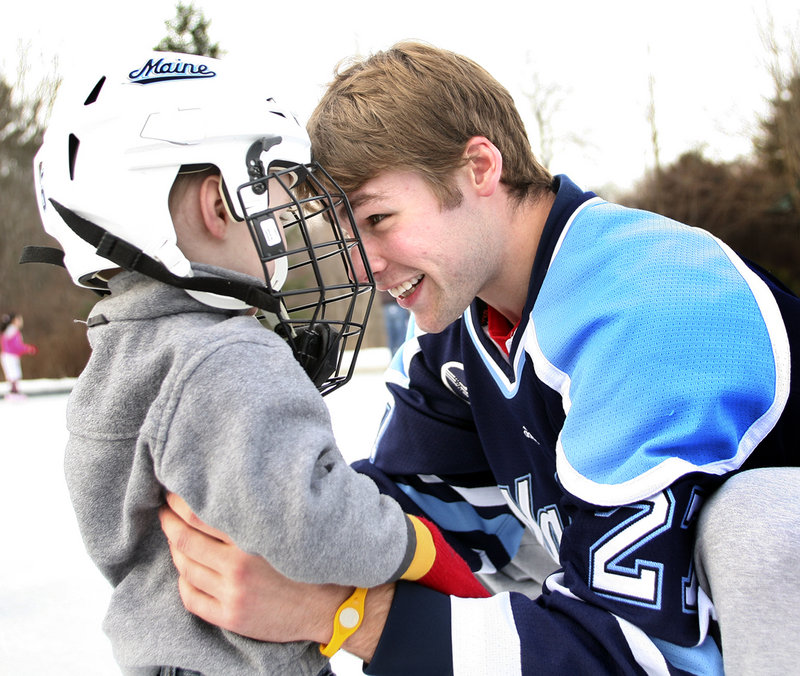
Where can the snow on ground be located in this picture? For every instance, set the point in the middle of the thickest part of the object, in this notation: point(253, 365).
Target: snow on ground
point(52, 599)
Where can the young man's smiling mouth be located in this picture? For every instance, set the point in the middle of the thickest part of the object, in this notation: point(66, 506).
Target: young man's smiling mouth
point(405, 289)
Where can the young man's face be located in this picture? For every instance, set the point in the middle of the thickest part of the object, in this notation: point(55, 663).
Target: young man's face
point(433, 261)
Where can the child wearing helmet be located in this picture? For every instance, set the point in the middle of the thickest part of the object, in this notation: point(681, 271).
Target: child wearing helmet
point(193, 206)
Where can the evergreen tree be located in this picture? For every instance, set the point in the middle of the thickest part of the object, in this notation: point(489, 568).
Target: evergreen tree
point(188, 33)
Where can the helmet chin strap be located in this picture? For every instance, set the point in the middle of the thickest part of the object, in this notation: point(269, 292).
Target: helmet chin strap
point(222, 293)
point(279, 274)
point(315, 346)
point(277, 280)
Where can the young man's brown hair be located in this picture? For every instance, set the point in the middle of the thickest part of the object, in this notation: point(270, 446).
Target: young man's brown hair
point(413, 108)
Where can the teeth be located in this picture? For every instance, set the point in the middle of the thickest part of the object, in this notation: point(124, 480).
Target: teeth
point(405, 287)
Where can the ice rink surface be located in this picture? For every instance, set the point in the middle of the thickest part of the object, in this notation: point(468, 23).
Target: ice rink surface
point(52, 599)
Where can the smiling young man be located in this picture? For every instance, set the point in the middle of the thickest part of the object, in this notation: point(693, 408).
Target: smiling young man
point(583, 378)
point(434, 261)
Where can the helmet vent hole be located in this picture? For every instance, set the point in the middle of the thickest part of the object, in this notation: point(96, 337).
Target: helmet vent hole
point(73, 155)
point(95, 92)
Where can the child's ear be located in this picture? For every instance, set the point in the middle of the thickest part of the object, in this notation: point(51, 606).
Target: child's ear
point(212, 207)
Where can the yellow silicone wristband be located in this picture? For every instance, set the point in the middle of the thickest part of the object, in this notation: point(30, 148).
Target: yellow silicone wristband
point(346, 621)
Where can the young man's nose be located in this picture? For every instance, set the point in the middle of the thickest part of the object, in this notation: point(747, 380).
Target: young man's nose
point(358, 272)
point(376, 262)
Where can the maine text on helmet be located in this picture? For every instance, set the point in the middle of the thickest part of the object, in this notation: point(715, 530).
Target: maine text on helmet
point(161, 70)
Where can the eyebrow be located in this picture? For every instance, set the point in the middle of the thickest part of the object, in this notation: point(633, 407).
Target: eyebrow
point(365, 197)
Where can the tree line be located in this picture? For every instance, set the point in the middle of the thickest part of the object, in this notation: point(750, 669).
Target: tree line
point(753, 204)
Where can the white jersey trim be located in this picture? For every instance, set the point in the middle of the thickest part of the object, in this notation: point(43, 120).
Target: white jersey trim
point(482, 496)
point(484, 636)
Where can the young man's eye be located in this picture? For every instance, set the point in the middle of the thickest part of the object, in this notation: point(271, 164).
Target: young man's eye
point(375, 218)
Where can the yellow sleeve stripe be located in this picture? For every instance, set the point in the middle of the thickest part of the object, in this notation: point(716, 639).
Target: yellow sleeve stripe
point(425, 554)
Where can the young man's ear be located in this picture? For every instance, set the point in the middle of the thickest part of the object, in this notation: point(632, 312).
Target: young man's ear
point(485, 165)
point(212, 207)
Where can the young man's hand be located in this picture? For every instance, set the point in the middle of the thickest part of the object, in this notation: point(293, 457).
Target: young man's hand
point(223, 585)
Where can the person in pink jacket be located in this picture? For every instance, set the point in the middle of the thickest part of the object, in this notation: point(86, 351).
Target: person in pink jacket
point(12, 348)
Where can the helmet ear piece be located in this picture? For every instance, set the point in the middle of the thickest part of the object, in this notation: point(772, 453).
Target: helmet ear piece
point(226, 200)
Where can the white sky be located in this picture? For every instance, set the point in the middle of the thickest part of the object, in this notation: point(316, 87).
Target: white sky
point(706, 58)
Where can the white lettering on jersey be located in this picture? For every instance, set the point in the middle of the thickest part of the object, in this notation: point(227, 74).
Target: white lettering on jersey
point(547, 525)
point(690, 583)
point(639, 582)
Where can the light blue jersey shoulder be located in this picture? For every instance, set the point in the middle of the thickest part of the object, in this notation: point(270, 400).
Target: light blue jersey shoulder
point(669, 353)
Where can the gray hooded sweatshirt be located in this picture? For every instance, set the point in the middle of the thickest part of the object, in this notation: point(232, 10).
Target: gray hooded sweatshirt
point(211, 405)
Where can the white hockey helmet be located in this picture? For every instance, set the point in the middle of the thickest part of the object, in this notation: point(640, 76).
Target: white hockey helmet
point(118, 137)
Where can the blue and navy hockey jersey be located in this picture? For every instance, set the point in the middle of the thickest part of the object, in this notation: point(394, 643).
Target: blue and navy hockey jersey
point(651, 362)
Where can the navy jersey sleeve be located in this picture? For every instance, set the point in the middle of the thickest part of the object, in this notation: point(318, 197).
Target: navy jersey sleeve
point(511, 634)
point(429, 458)
point(447, 633)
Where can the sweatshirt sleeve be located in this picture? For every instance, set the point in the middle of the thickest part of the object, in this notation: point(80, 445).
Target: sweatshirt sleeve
point(243, 436)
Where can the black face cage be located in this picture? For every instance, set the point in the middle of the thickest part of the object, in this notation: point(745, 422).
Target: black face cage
point(324, 308)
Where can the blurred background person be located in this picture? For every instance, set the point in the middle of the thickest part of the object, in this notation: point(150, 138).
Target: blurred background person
point(395, 319)
point(12, 347)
